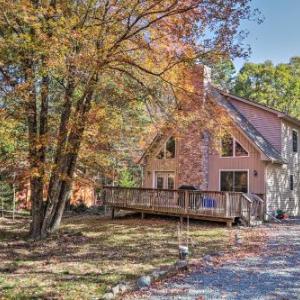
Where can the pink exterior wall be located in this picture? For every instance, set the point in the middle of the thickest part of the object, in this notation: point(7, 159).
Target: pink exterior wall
point(189, 165)
point(267, 123)
point(251, 163)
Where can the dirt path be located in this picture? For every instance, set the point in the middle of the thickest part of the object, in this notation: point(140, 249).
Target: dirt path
point(275, 274)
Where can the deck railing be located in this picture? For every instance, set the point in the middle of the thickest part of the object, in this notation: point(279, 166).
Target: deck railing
point(182, 202)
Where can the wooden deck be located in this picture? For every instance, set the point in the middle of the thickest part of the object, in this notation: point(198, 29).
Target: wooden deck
point(204, 205)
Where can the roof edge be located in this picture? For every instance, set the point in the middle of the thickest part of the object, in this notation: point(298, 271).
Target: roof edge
point(279, 113)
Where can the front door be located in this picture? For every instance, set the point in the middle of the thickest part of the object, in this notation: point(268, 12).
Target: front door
point(165, 180)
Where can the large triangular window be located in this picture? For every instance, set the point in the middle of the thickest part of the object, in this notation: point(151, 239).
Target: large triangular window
point(230, 147)
point(168, 150)
point(240, 150)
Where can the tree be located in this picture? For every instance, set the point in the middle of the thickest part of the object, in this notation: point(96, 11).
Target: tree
point(223, 74)
point(277, 86)
point(126, 178)
point(61, 59)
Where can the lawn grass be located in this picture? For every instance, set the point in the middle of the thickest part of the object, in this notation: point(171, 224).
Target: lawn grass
point(92, 253)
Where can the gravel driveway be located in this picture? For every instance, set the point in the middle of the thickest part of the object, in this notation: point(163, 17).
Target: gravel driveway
point(275, 274)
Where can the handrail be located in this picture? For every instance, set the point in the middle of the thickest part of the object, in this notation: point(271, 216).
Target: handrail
point(247, 197)
point(188, 202)
point(257, 197)
point(254, 208)
point(169, 190)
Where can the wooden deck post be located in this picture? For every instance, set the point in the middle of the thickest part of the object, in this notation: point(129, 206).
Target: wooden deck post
point(112, 213)
point(186, 199)
point(227, 205)
point(142, 215)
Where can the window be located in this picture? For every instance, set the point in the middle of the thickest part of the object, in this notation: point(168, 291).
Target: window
point(291, 182)
point(159, 182)
point(168, 150)
point(165, 180)
point(231, 147)
point(227, 146)
point(161, 154)
point(234, 181)
point(171, 182)
point(239, 150)
point(295, 141)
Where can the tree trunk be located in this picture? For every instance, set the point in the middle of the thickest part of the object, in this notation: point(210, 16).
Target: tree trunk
point(67, 164)
point(36, 180)
point(36, 186)
point(55, 179)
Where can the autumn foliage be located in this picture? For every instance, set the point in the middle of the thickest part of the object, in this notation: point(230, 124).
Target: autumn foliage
point(68, 68)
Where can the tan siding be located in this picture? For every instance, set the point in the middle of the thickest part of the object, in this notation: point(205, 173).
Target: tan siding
point(267, 123)
point(155, 165)
point(251, 163)
point(159, 165)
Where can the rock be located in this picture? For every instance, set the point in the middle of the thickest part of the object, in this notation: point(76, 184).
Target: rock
point(208, 258)
point(123, 288)
point(115, 290)
point(183, 252)
point(143, 282)
point(119, 289)
point(238, 240)
point(108, 296)
point(158, 274)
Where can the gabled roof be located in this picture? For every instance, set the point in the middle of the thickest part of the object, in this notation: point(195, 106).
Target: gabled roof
point(254, 136)
point(250, 131)
point(278, 113)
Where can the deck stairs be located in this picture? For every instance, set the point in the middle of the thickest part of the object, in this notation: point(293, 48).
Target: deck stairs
point(255, 216)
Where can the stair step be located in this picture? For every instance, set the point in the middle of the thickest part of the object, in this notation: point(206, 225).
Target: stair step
point(255, 222)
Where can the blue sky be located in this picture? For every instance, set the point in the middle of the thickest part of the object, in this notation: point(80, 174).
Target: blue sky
point(278, 37)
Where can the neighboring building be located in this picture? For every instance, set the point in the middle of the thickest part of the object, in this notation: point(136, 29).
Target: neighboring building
point(83, 192)
point(260, 154)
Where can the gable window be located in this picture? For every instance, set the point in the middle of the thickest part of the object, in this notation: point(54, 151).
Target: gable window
point(227, 146)
point(240, 150)
point(161, 154)
point(168, 150)
point(232, 148)
point(291, 182)
point(295, 141)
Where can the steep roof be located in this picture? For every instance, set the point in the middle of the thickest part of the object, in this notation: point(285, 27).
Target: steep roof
point(258, 140)
point(278, 113)
point(250, 131)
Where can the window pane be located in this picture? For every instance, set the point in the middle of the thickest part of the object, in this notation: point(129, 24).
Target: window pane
point(295, 141)
point(291, 182)
point(170, 148)
point(239, 150)
point(227, 146)
point(160, 154)
point(171, 182)
point(227, 181)
point(159, 182)
point(241, 182)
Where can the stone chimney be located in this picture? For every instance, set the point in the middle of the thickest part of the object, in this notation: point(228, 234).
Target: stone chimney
point(193, 146)
point(198, 79)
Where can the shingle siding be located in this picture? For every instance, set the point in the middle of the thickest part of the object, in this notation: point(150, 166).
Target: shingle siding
point(278, 193)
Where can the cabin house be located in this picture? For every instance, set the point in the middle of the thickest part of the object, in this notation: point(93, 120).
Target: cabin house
point(259, 156)
point(254, 171)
